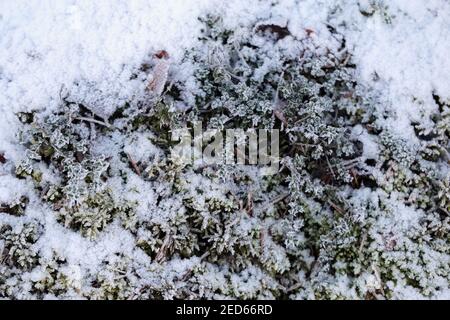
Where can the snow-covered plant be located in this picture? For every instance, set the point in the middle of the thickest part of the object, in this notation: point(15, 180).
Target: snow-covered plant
point(355, 210)
point(18, 244)
point(78, 190)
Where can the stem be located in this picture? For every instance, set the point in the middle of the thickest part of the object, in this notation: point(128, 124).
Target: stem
point(102, 123)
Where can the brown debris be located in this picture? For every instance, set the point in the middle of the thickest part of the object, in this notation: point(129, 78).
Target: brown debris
point(279, 31)
point(280, 115)
point(309, 32)
point(134, 164)
point(160, 73)
point(161, 256)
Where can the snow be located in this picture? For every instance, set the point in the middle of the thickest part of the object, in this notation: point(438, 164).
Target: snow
point(48, 46)
point(91, 49)
point(409, 55)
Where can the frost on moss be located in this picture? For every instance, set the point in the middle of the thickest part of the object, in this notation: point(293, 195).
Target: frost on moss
point(337, 221)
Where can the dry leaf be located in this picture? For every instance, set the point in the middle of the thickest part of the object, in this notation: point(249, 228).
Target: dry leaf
point(160, 73)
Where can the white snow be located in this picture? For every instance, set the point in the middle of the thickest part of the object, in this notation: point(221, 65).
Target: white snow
point(47, 46)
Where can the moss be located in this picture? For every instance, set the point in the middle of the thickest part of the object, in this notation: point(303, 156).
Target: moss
point(302, 232)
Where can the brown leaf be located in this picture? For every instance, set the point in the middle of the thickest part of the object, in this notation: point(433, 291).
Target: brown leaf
point(160, 73)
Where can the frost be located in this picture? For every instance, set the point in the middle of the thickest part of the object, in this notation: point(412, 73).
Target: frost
point(93, 206)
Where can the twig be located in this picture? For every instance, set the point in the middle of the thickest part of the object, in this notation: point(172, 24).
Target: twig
point(238, 50)
point(275, 200)
point(331, 168)
point(294, 287)
point(277, 103)
point(102, 123)
point(134, 164)
point(161, 255)
point(363, 242)
point(281, 197)
point(336, 207)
